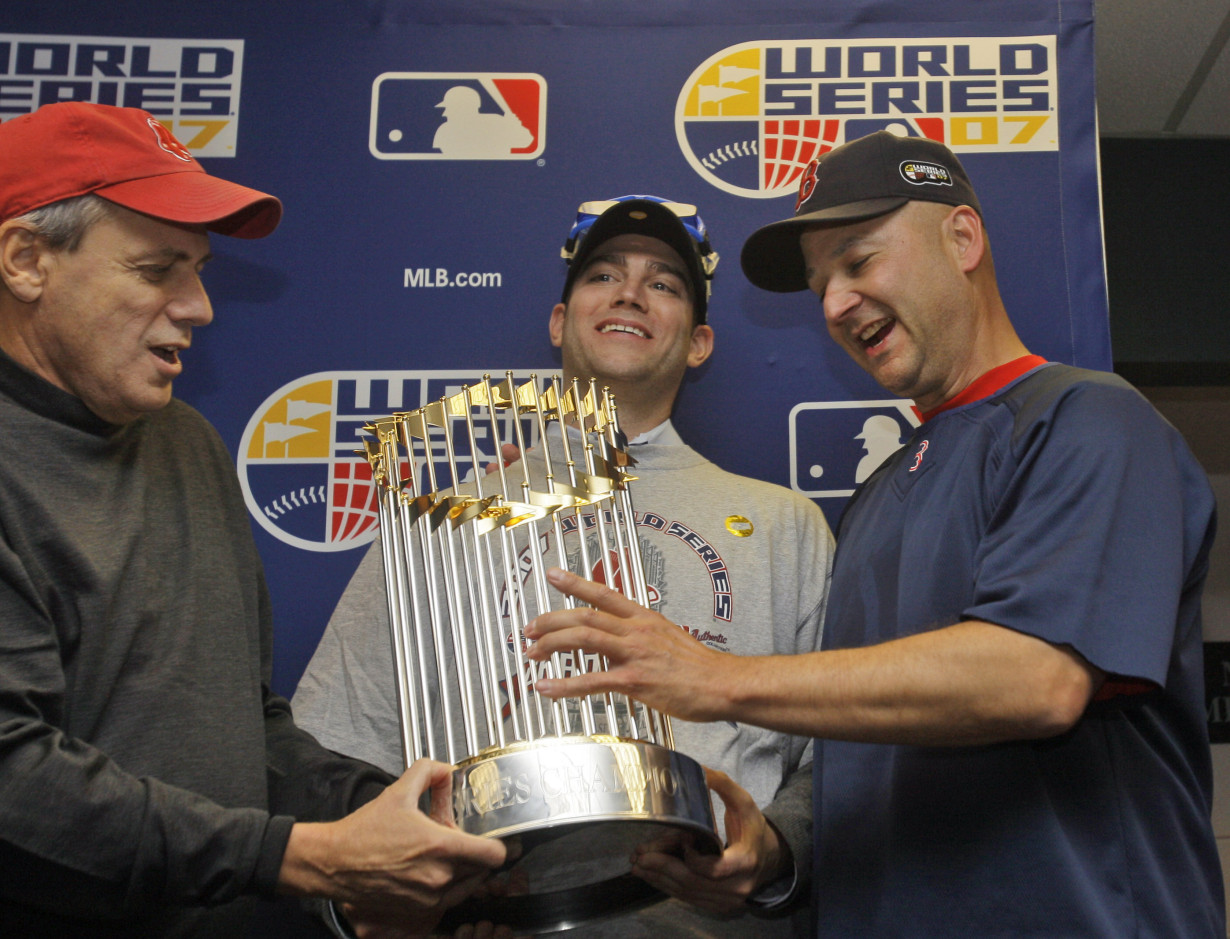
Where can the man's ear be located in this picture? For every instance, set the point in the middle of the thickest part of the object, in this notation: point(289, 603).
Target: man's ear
point(22, 261)
point(969, 237)
point(701, 346)
point(556, 326)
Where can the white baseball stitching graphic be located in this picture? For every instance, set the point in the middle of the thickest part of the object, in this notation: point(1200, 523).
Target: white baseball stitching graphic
point(740, 148)
point(314, 494)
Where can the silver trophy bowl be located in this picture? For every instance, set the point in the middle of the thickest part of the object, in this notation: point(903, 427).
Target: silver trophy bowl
point(575, 808)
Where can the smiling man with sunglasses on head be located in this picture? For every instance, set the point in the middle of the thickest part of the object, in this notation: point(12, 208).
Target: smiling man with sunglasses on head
point(743, 565)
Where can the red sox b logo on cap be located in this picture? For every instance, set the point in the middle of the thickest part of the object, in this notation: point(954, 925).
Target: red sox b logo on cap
point(169, 143)
point(808, 185)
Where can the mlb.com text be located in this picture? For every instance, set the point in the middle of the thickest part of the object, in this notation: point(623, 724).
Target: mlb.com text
point(442, 277)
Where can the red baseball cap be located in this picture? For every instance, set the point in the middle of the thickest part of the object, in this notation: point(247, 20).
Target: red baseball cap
point(127, 157)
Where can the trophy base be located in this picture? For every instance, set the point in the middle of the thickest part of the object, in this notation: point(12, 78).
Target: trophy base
point(576, 807)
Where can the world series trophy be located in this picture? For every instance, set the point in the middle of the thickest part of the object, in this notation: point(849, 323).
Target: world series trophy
point(575, 783)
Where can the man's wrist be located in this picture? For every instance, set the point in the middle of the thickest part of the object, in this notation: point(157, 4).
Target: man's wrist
point(782, 878)
point(302, 873)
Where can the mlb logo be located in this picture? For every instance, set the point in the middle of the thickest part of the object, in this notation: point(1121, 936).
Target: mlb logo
point(835, 445)
point(458, 116)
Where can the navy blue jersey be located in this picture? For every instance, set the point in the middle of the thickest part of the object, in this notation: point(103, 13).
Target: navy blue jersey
point(1063, 506)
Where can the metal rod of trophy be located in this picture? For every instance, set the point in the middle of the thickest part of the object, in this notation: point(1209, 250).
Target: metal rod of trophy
point(525, 525)
point(483, 581)
point(436, 703)
point(581, 407)
point(615, 443)
point(451, 625)
point(566, 403)
point(601, 484)
point(465, 508)
point(548, 404)
point(518, 614)
point(382, 457)
point(427, 608)
point(595, 476)
point(525, 401)
point(399, 507)
point(496, 513)
point(623, 527)
point(416, 509)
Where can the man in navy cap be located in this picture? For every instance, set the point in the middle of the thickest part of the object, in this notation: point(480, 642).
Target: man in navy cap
point(1008, 704)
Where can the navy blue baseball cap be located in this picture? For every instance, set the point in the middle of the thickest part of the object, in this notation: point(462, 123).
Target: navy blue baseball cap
point(862, 179)
point(677, 224)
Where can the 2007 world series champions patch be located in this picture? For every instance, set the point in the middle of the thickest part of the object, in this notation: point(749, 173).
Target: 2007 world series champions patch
point(922, 174)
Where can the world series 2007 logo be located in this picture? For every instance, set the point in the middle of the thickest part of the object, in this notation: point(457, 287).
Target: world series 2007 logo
point(752, 116)
point(301, 477)
point(192, 86)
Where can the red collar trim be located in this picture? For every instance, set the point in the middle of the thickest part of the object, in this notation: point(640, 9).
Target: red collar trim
point(986, 385)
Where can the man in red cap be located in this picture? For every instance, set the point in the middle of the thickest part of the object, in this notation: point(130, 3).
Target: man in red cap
point(153, 785)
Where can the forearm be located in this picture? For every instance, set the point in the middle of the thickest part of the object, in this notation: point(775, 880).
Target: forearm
point(965, 684)
point(308, 781)
point(82, 837)
point(971, 683)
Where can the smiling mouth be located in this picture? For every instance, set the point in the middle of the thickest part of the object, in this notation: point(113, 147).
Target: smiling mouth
point(875, 333)
point(623, 328)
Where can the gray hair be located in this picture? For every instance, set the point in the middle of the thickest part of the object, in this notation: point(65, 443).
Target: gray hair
point(63, 224)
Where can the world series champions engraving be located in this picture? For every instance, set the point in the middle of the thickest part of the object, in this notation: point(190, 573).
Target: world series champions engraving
point(575, 783)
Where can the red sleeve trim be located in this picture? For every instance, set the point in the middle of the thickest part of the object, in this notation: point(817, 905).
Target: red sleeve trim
point(1116, 686)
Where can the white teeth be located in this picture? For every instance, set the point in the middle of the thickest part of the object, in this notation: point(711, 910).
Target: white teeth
point(620, 328)
point(870, 331)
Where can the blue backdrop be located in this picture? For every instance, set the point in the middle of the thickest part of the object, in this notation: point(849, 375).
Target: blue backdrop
point(431, 154)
